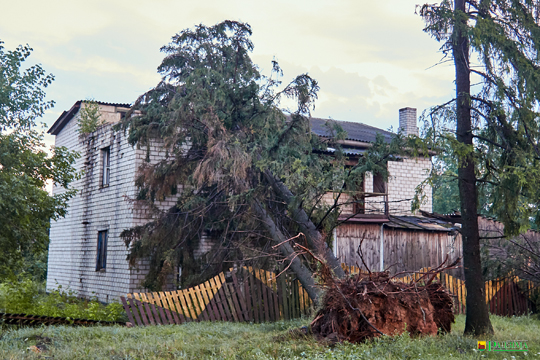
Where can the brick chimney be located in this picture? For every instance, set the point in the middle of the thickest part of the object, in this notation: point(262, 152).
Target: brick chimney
point(407, 121)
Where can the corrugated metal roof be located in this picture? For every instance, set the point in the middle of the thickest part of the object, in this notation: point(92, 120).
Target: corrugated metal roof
point(355, 131)
point(347, 151)
point(410, 222)
point(420, 223)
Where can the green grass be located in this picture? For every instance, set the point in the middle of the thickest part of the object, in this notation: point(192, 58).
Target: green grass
point(252, 341)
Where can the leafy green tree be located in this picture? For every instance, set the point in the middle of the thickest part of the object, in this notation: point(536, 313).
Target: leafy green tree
point(438, 130)
point(246, 172)
point(497, 129)
point(25, 167)
point(89, 117)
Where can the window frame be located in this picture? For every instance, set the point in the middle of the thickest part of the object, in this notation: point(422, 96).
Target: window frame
point(101, 249)
point(359, 197)
point(105, 166)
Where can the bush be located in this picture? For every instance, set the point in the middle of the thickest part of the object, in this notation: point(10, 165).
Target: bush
point(29, 297)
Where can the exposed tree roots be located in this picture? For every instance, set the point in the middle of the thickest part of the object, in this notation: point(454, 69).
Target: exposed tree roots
point(363, 306)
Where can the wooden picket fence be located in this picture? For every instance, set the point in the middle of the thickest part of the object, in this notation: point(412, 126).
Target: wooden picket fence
point(247, 294)
point(506, 297)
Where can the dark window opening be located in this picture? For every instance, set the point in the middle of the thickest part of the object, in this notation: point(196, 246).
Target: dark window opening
point(101, 261)
point(106, 161)
point(359, 197)
point(379, 185)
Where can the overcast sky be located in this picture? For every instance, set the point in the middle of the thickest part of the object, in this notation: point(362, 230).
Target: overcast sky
point(371, 58)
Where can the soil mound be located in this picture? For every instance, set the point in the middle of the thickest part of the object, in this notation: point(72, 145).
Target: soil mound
point(363, 306)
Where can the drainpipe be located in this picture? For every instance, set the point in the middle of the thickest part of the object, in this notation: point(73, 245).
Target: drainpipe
point(381, 252)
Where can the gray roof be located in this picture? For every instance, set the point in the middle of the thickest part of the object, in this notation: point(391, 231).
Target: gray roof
point(408, 222)
point(355, 131)
point(420, 223)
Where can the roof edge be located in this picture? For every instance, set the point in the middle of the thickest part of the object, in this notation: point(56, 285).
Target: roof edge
point(64, 119)
point(66, 116)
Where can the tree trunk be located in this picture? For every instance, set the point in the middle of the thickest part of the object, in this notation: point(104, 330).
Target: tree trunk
point(477, 317)
point(305, 276)
point(313, 236)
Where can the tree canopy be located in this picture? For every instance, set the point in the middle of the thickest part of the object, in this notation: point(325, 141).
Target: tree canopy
point(245, 170)
point(496, 130)
point(25, 166)
point(504, 43)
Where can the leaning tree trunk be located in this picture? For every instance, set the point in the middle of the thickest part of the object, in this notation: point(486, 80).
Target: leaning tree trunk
point(304, 275)
point(313, 236)
point(477, 317)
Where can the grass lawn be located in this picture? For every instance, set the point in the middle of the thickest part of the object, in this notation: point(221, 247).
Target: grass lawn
point(251, 341)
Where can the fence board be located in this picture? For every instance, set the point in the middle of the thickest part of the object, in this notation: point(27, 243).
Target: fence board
point(182, 304)
point(217, 297)
point(240, 295)
point(254, 296)
point(133, 308)
point(178, 317)
point(212, 302)
point(128, 310)
point(265, 295)
point(231, 303)
point(260, 304)
point(247, 293)
point(275, 298)
point(224, 303)
point(206, 300)
point(142, 310)
point(236, 304)
point(283, 283)
point(154, 314)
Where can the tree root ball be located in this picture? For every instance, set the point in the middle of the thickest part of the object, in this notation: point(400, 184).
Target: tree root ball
point(363, 306)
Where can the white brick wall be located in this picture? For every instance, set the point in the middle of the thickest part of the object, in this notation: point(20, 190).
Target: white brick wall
point(407, 121)
point(404, 177)
point(73, 239)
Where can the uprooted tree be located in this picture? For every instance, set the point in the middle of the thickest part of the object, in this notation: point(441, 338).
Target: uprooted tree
point(244, 171)
point(368, 305)
point(494, 44)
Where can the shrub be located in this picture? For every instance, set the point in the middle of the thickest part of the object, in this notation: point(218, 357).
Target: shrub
point(29, 297)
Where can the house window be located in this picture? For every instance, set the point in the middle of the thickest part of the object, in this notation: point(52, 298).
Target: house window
point(101, 260)
point(356, 189)
point(359, 198)
point(379, 186)
point(106, 170)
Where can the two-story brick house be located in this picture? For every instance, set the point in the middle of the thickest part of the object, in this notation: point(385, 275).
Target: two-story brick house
point(87, 254)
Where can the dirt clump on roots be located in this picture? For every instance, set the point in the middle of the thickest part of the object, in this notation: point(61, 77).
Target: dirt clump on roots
point(364, 306)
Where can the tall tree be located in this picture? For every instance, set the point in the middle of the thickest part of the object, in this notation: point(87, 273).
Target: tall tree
point(497, 122)
point(245, 171)
point(25, 167)
point(477, 320)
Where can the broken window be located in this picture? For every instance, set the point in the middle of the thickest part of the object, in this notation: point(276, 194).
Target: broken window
point(106, 161)
point(101, 260)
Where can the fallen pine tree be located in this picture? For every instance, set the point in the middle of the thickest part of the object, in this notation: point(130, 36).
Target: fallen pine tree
point(364, 306)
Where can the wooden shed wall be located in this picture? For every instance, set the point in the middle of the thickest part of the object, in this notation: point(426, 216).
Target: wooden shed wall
point(405, 250)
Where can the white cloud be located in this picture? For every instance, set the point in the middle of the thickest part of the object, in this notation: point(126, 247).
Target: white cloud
point(370, 57)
